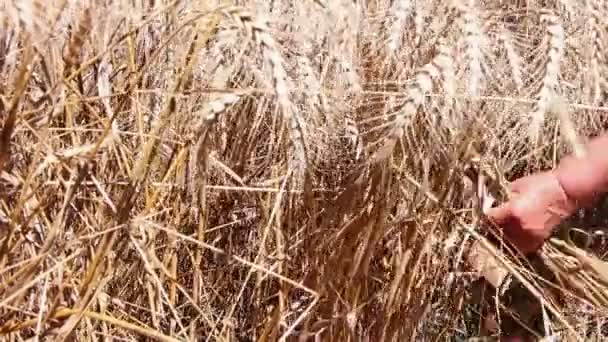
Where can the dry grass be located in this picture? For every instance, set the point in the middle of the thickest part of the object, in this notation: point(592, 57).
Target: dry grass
point(289, 170)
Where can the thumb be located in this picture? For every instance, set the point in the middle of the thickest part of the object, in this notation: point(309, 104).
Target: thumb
point(500, 215)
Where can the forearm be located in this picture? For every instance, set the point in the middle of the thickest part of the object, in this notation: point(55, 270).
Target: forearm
point(585, 179)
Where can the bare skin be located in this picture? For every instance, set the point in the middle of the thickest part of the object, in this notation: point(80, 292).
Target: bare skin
point(541, 201)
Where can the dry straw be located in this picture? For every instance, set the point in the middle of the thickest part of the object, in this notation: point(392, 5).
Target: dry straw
point(291, 170)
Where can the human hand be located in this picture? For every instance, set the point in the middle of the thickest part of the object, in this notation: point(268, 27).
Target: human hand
point(538, 204)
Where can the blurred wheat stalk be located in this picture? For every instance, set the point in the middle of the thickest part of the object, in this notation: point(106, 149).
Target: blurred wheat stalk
point(263, 170)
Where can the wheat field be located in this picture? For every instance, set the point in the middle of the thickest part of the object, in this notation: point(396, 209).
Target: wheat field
point(313, 170)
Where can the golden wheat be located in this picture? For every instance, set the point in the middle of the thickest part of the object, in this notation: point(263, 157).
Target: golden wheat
point(292, 170)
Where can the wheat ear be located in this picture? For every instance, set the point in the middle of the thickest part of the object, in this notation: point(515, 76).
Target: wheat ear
point(312, 85)
point(71, 55)
point(258, 29)
point(559, 108)
point(343, 14)
point(401, 10)
point(32, 14)
point(548, 90)
point(513, 57)
point(475, 41)
point(421, 85)
point(596, 47)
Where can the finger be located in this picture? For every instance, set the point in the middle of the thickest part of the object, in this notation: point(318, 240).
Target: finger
point(501, 214)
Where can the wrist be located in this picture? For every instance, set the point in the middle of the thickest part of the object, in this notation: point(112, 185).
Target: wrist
point(582, 181)
point(585, 178)
point(568, 205)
